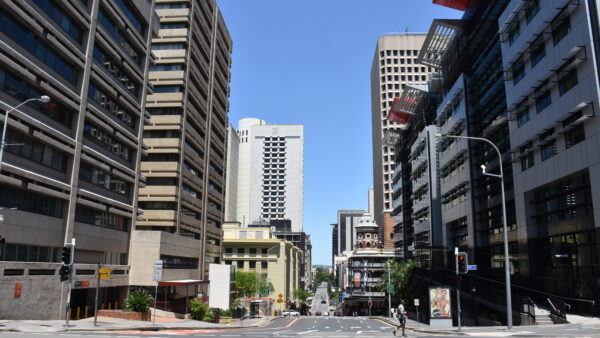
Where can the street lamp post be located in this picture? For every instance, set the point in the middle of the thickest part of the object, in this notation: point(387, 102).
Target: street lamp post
point(43, 99)
point(506, 260)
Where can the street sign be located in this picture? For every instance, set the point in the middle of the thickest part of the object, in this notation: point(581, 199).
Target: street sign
point(390, 288)
point(471, 267)
point(416, 301)
point(105, 270)
point(158, 268)
point(104, 273)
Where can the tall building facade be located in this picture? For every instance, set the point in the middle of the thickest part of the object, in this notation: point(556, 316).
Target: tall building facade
point(343, 238)
point(231, 179)
point(71, 166)
point(270, 173)
point(183, 198)
point(550, 54)
point(394, 67)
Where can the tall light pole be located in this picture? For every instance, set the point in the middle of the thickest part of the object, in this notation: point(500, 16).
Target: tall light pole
point(506, 260)
point(42, 99)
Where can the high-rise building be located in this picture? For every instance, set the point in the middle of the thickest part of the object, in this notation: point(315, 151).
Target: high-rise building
point(70, 167)
point(394, 67)
point(183, 199)
point(231, 178)
point(550, 55)
point(270, 172)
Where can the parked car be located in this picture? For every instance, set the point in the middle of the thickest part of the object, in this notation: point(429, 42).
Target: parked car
point(337, 314)
point(323, 302)
point(326, 313)
point(318, 313)
point(290, 312)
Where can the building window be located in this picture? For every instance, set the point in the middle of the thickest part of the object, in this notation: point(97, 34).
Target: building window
point(252, 264)
point(240, 264)
point(548, 150)
point(561, 28)
point(101, 218)
point(175, 262)
point(131, 15)
point(264, 265)
point(102, 179)
point(537, 53)
point(527, 160)
point(26, 39)
point(111, 106)
point(523, 114)
point(38, 152)
point(543, 100)
point(574, 135)
point(114, 68)
point(531, 9)
point(168, 89)
point(171, 6)
point(26, 200)
point(120, 37)
point(164, 46)
point(59, 17)
point(518, 72)
point(514, 30)
point(568, 81)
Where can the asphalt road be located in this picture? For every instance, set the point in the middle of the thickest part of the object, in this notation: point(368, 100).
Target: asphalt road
point(320, 296)
point(330, 327)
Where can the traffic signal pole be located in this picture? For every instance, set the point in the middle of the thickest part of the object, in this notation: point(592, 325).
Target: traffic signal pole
point(457, 285)
point(69, 278)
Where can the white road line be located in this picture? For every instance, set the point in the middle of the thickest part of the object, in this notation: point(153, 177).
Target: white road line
point(358, 332)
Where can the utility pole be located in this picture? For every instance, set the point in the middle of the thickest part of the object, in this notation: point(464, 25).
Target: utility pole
point(96, 299)
point(457, 285)
point(389, 294)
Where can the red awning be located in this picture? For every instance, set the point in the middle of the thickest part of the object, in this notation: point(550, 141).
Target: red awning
point(183, 282)
point(396, 114)
point(461, 5)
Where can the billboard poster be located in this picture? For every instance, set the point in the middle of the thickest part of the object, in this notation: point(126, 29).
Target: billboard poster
point(439, 303)
point(357, 279)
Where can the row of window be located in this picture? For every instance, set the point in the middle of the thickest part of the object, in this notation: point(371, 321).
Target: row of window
point(26, 200)
point(191, 191)
point(34, 45)
point(101, 218)
point(531, 9)
point(120, 37)
point(572, 137)
point(117, 71)
point(251, 264)
point(403, 52)
point(175, 262)
point(22, 91)
point(543, 96)
point(29, 253)
point(132, 16)
point(35, 151)
point(166, 67)
point(252, 251)
point(111, 106)
point(102, 179)
point(565, 200)
point(60, 18)
point(105, 140)
point(165, 111)
point(192, 170)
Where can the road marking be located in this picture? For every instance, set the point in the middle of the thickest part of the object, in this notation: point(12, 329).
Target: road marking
point(291, 323)
point(309, 331)
point(358, 332)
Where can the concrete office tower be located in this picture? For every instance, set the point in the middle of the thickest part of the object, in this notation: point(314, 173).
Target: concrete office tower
point(71, 166)
point(393, 67)
point(231, 179)
point(551, 54)
point(270, 172)
point(183, 200)
point(343, 237)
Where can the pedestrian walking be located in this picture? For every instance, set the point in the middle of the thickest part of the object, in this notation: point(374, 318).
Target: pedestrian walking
point(401, 313)
point(393, 312)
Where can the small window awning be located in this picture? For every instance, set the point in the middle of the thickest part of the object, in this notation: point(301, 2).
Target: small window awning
point(183, 282)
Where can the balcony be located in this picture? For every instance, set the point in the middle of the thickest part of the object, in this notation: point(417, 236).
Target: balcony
point(161, 193)
point(159, 218)
point(162, 145)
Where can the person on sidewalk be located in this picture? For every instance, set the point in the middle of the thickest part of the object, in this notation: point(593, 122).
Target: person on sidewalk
point(401, 318)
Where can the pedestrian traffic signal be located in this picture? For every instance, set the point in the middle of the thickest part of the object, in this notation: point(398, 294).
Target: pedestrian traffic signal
point(65, 271)
point(462, 262)
point(66, 254)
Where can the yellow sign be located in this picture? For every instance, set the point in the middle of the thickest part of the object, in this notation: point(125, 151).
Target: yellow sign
point(105, 270)
point(280, 300)
point(104, 276)
point(280, 296)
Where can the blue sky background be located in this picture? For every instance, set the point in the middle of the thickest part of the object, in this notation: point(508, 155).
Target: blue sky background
point(308, 62)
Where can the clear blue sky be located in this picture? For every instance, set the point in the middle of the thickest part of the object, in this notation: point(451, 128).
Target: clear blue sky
point(308, 62)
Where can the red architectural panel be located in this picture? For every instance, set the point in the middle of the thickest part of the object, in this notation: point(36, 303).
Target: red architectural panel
point(461, 5)
point(396, 114)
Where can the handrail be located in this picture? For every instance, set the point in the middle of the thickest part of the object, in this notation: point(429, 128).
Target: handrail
point(552, 304)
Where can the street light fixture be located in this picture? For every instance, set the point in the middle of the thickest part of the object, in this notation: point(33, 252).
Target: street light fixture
point(506, 260)
point(42, 99)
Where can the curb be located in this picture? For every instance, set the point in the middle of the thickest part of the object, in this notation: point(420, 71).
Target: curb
point(146, 328)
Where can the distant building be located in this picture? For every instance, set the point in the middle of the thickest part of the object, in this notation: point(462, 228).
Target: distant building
point(255, 250)
point(231, 180)
point(394, 67)
point(270, 173)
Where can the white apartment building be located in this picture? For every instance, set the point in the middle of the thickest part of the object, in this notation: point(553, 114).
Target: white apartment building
point(231, 180)
point(270, 181)
point(394, 67)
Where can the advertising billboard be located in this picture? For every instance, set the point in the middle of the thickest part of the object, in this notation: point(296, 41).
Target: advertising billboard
point(439, 303)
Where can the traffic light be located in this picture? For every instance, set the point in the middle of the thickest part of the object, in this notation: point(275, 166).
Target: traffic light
point(66, 254)
point(65, 271)
point(461, 262)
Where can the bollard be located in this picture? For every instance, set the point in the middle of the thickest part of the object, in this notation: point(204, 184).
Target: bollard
point(77, 313)
point(116, 305)
point(69, 314)
point(109, 304)
point(85, 312)
point(102, 307)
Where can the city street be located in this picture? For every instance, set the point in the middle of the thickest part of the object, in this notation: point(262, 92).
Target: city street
point(320, 297)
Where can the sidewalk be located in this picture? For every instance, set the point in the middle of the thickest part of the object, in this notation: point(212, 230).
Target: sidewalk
point(114, 324)
point(490, 331)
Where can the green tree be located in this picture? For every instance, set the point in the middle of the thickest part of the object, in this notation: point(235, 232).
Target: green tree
point(320, 277)
point(301, 295)
point(245, 283)
point(400, 274)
